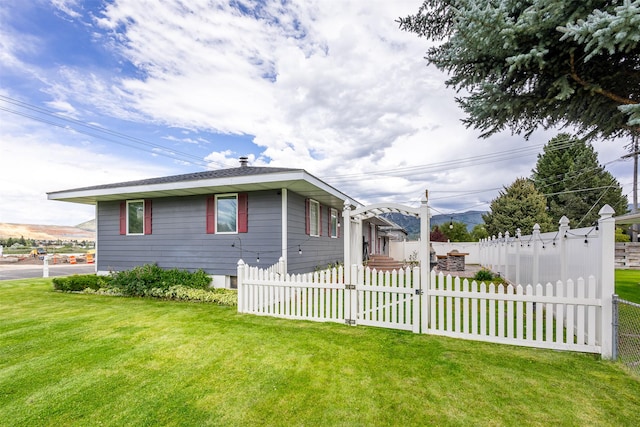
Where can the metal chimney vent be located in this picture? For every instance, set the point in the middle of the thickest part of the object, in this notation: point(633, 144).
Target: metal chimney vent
point(244, 161)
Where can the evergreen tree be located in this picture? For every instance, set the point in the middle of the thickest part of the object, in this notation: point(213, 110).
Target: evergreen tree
point(544, 63)
point(519, 206)
point(575, 183)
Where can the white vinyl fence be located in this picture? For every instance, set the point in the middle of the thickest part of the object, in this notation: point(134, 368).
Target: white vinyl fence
point(546, 257)
point(573, 313)
point(561, 317)
point(385, 299)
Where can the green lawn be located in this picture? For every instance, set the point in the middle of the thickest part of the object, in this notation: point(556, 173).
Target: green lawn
point(75, 359)
point(628, 285)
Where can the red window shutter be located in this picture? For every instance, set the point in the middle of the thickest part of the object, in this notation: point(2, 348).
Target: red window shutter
point(329, 228)
point(123, 217)
point(307, 220)
point(243, 212)
point(147, 216)
point(211, 215)
point(338, 219)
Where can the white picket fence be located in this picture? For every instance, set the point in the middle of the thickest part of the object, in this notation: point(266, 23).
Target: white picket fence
point(556, 316)
point(561, 317)
point(561, 312)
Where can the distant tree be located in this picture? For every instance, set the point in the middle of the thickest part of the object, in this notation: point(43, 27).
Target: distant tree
point(479, 232)
point(437, 235)
point(519, 206)
point(456, 232)
point(524, 64)
point(22, 241)
point(574, 182)
point(621, 236)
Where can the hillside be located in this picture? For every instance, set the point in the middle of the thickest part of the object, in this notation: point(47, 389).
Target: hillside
point(412, 224)
point(48, 232)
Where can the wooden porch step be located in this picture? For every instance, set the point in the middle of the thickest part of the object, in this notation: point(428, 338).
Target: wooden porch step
point(383, 263)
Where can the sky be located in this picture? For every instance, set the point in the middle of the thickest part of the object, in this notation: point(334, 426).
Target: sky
point(95, 92)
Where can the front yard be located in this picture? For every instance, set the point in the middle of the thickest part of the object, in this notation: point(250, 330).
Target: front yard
point(74, 359)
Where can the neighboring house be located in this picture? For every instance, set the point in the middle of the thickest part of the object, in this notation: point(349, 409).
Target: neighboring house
point(210, 220)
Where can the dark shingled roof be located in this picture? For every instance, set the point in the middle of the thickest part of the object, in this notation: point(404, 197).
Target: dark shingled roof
point(195, 176)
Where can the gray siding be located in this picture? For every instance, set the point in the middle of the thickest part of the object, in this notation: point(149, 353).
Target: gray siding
point(317, 252)
point(179, 238)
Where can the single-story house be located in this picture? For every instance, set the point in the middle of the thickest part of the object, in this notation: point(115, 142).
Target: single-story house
point(210, 220)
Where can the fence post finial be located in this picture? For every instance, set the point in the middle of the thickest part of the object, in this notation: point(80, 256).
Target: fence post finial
point(606, 212)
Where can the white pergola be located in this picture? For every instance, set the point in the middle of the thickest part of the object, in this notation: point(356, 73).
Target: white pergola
point(352, 220)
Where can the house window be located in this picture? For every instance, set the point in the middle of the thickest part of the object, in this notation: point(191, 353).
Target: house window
point(334, 223)
point(135, 217)
point(227, 213)
point(314, 218)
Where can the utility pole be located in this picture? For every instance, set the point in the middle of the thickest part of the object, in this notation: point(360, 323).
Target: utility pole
point(634, 153)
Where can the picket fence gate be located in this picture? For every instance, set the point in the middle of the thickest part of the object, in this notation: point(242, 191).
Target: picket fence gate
point(561, 316)
point(385, 299)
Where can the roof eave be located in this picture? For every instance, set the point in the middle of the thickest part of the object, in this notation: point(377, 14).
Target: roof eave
point(297, 180)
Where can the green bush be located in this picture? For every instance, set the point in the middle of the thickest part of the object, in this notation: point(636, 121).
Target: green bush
point(484, 275)
point(78, 282)
point(151, 281)
point(140, 280)
point(182, 293)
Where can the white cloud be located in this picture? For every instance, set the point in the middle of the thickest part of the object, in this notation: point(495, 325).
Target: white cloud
point(68, 7)
point(34, 162)
point(333, 87)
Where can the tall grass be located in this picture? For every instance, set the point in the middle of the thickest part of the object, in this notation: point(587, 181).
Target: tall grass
point(76, 359)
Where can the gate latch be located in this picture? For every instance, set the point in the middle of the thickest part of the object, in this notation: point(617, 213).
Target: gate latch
point(419, 292)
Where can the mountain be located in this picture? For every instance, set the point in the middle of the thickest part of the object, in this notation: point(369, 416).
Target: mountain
point(46, 232)
point(87, 225)
point(412, 224)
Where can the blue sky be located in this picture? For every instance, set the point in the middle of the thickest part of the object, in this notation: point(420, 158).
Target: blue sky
point(94, 92)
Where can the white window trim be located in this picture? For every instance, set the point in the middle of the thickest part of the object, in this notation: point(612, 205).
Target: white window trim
point(317, 231)
point(127, 214)
point(217, 216)
point(334, 214)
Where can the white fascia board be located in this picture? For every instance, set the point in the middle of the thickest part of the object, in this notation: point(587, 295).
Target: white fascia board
point(180, 185)
point(329, 189)
point(298, 175)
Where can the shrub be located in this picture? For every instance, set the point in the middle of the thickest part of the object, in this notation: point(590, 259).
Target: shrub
point(484, 275)
point(140, 280)
point(78, 282)
point(183, 293)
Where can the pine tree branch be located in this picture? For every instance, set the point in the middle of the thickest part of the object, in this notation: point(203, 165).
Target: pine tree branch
point(596, 89)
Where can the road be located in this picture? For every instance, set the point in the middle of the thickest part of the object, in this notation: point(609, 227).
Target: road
point(11, 271)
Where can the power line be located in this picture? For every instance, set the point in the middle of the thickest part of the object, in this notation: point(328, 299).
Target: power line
point(99, 132)
point(450, 164)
